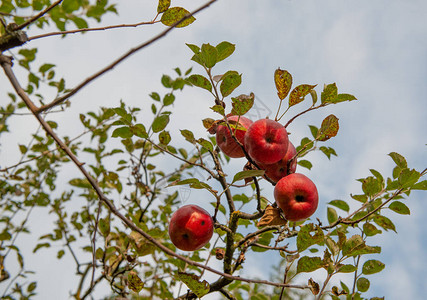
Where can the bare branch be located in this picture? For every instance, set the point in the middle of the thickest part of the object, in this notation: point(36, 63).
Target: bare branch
point(90, 29)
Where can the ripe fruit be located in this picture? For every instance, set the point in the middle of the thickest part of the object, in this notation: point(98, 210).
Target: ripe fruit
point(266, 141)
point(226, 142)
point(280, 169)
point(297, 196)
point(190, 227)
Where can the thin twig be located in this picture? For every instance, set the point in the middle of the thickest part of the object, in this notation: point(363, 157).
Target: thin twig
point(90, 29)
point(39, 15)
point(73, 91)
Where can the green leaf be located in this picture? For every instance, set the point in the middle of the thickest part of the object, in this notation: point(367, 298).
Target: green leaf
point(341, 204)
point(104, 226)
point(347, 269)
point(45, 67)
point(377, 175)
point(372, 266)
point(164, 138)
point(208, 55)
point(360, 198)
point(370, 230)
point(384, 222)
point(166, 80)
point(23, 149)
point(362, 284)
point(407, 178)
point(200, 81)
point(224, 50)
point(329, 93)
point(371, 186)
point(175, 14)
point(332, 245)
point(344, 97)
point(305, 163)
point(218, 109)
point(193, 183)
point(155, 96)
point(139, 130)
point(194, 48)
point(329, 128)
point(168, 99)
point(314, 130)
point(70, 5)
point(305, 239)
point(242, 104)
point(31, 287)
point(332, 215)
point(313, 95)
point(298, 93)
point(163, 5)
point(205, 144)
point(200, 288)
point(39, 246)
point(399, 208)
point(247, 174)
point(188, 135)
point(160, 123)
point(230, 81)
point(60, 254)
point(399, 160)
point(81, 183)
point(356, 246)
point(309, 264)
point(328, 151)
point(422, 185)
point(5, 235)
point(283, 81)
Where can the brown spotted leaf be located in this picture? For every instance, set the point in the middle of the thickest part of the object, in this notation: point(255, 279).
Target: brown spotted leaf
point(175, 14)
point(200, 288)
point(163, 5)
point(298, 93)
point(283, 81)
point(314, 286)
point(242, 104)
point(328, 129)
point(134, 282)
point(210, 124)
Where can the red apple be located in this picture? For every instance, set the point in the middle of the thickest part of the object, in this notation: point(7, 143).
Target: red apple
point(266, 141)
point(226, 142)
point(297, 196)
point(190, 228)
point(280, 169)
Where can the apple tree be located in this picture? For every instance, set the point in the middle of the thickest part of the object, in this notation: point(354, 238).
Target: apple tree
point(114, 219)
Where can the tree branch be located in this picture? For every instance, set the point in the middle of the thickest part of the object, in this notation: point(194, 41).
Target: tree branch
point(88, 80)
point(39, 15)
point(90, 29)
point(6, 64)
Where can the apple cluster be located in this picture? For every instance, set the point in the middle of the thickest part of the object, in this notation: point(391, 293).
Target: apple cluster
point(267, 144)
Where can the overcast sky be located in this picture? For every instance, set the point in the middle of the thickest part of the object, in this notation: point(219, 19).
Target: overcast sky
point(375, 50)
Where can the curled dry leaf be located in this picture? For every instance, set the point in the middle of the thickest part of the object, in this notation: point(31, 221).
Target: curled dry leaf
point(219, 253)
point(337, 292)
point(271, 217)
point(314, 286)
point(211, 125)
